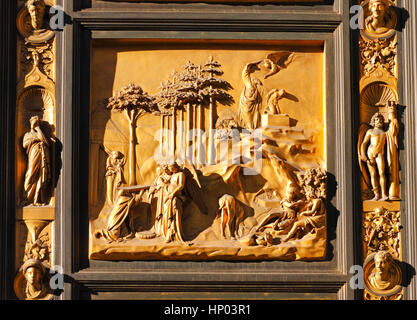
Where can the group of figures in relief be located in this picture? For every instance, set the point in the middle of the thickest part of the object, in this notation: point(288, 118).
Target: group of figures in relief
point(302, 212)
point(171, 191)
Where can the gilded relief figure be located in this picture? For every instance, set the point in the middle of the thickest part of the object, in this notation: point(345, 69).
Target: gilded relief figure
point(114, 174)
point(156, 193)
point(32, 22)
point(231, 215)
point(272, 100)
point(377, 149)
point(121, 215)
point(169, 194)
point(392, 152)
point(36, 9)
point(38, 173)
point(31, 282)
point(386, 275)
point(290, 206)
point(250, 104)
point(171, 226)
point(313, 216)
point(374, 156)
point(34, 273)
point(302, 211)
point(382, 20)
point(277, 61)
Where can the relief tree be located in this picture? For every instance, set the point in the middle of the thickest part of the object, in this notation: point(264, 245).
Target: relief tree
point(134, 103)
point(168, 102)
point(178, 94)
point(213, 89)
point(188, 87)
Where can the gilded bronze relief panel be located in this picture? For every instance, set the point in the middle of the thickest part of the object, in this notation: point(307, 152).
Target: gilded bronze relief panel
point(207, 151)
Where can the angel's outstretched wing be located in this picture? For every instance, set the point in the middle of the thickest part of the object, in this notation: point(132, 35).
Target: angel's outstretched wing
point(192, 188)
point(364, 127)
point(280, 60)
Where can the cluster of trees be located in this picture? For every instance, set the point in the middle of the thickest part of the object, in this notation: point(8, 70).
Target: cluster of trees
point(193, 88)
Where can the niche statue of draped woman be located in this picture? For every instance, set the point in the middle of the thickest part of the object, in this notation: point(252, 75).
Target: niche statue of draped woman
point(38, 172)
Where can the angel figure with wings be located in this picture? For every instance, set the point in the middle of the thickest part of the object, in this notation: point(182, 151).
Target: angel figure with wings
point(379, 148)
point(250, 105)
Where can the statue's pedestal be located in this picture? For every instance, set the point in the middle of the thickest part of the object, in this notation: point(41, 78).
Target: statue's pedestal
point(278, 120)
point(372, 205)
point(36, 213)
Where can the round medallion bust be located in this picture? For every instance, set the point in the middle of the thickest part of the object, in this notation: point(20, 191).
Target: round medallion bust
point(380, 19)
point(33, 21)
point(382, 274)
point(31, 281)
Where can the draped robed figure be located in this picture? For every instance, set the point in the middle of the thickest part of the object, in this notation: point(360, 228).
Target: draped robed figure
point(38, 173)
point(250, 105)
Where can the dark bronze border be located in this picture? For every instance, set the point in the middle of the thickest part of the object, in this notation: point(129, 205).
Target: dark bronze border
point(7, 111)
point(82, 275)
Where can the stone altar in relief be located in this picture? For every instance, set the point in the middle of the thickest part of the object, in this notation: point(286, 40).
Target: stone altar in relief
point(265, 201)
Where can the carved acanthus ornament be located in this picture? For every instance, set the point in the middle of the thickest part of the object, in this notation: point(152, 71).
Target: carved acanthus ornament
point(39, 57)
point(378, 53)
point(382, 232)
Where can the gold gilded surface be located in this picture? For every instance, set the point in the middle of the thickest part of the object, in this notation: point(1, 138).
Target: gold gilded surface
point(380, 19)
point(36, 150)
point(381, 230)
point(185, 195)
point(378, 151)
point(32, 21)
point(382, 275)
point(225, 1)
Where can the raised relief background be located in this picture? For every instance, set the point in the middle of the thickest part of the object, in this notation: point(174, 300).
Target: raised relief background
point(205, 150)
